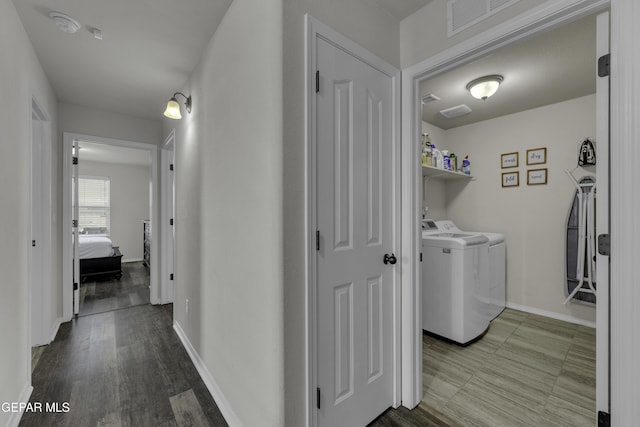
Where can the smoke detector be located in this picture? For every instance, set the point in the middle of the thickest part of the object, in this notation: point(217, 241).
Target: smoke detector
point(64, 23)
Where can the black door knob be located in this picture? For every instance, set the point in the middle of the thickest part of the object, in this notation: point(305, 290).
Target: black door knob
point(389, 259)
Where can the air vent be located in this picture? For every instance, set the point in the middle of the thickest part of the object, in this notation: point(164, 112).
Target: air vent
point(457, 111)
point(430, 98)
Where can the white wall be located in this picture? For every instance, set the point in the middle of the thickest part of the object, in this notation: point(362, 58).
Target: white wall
point(368, 25)
point(533, 218)
point(129, 203)
point(229, 212)
point(424, 33)
point(22, 76)
point(91, 121)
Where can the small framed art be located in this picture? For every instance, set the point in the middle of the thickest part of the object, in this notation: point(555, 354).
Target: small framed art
point(509, 160)
point(537, 176)
point(537, 156)
point(510, 179)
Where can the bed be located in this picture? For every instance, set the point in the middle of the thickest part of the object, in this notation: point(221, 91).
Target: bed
point(98, 257)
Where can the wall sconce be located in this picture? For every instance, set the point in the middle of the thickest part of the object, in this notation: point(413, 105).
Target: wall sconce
point(484, 87)
point(173, 108)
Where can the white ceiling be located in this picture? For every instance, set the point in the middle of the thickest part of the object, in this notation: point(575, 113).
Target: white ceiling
point(550, 68)
point(148, 51)
point(150, 47)
point(101, 153)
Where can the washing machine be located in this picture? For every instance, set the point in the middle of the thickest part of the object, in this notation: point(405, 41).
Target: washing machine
point(454, 267)
point(495, 290)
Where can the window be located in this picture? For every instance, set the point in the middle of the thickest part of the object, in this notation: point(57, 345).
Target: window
point(94, 205)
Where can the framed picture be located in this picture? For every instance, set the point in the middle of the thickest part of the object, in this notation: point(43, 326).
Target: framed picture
point(537, 156)
point(509, 160)
point(537, 176)
point(510, 179)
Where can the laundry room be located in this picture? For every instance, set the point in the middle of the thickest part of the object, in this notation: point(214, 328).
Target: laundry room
point(508, 161)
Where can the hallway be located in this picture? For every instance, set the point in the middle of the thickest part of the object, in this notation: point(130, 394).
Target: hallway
point(120, 368)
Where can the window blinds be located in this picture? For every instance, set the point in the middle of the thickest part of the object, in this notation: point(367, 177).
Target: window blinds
point(94, 205)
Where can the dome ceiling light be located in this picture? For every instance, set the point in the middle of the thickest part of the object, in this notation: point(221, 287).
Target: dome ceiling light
point(484, 87)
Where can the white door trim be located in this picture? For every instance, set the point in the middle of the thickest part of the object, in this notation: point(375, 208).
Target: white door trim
point(42, 322)
point(549, 15)
point(167, 244)
point(314, 29)
point(625, 205)
point(67, 214)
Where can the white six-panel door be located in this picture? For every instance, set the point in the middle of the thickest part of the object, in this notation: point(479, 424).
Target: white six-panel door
point(354, 208)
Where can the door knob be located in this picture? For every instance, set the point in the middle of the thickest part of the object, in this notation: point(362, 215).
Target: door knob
point(389, 259)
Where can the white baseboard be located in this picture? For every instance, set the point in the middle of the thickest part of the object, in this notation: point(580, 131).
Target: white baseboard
point(54, 329)
point(224, 406)
point(15, 417)
point(551, 314)
point(132, 260)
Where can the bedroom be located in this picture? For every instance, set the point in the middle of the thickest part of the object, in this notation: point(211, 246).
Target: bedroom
point(114, 209)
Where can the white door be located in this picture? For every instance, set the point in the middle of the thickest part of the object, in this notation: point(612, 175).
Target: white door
point(76, 218)
point(602, 219)
point(354, 208)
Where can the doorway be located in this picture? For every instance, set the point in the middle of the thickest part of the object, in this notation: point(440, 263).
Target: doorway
point(449, 60)
point(71, 278)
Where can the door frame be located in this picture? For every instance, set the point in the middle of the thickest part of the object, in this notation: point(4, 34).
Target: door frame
point(313, 30)
point(67, 214)
point(167, 211)
point(549, 15)
point(44, 322)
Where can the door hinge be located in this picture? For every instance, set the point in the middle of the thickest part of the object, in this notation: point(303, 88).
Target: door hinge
point(171, 167)
point(604, 244)
point(318, 397)
point(171, 221)
point(33, 243)
point(75, 286)
point(75, 160)
point(171, 276)
point(420, 256)
point(604, 65)
point(317, 240)
point(74, 223)
point(317, 81)
point(604, 419)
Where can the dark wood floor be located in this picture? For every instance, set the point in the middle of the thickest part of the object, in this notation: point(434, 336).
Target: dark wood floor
point(120, 368)
point(108, 293)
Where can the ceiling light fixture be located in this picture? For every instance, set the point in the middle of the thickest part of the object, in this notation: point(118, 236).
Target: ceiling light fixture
point(484, 87)
point(64, 22)
point(173, 108)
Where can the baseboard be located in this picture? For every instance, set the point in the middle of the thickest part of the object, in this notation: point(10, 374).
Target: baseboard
point(54, 329)
point(15, 417)
point(132, 260)
point(551, 314)
point(224, 406)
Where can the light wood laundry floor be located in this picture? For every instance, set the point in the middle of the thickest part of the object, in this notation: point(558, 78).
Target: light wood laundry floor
point(527, 370)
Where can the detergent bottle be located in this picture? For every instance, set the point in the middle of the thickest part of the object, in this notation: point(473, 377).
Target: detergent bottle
point(437, 158)
point(466, 165)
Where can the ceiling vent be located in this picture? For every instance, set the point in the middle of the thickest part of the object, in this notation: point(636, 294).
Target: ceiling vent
point(430, 98)
point(457, 111)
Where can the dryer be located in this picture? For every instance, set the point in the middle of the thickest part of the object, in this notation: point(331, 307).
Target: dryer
point(495, 288)
point(454, 267)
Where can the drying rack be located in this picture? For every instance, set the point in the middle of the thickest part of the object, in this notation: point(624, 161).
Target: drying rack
point(586, 237)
